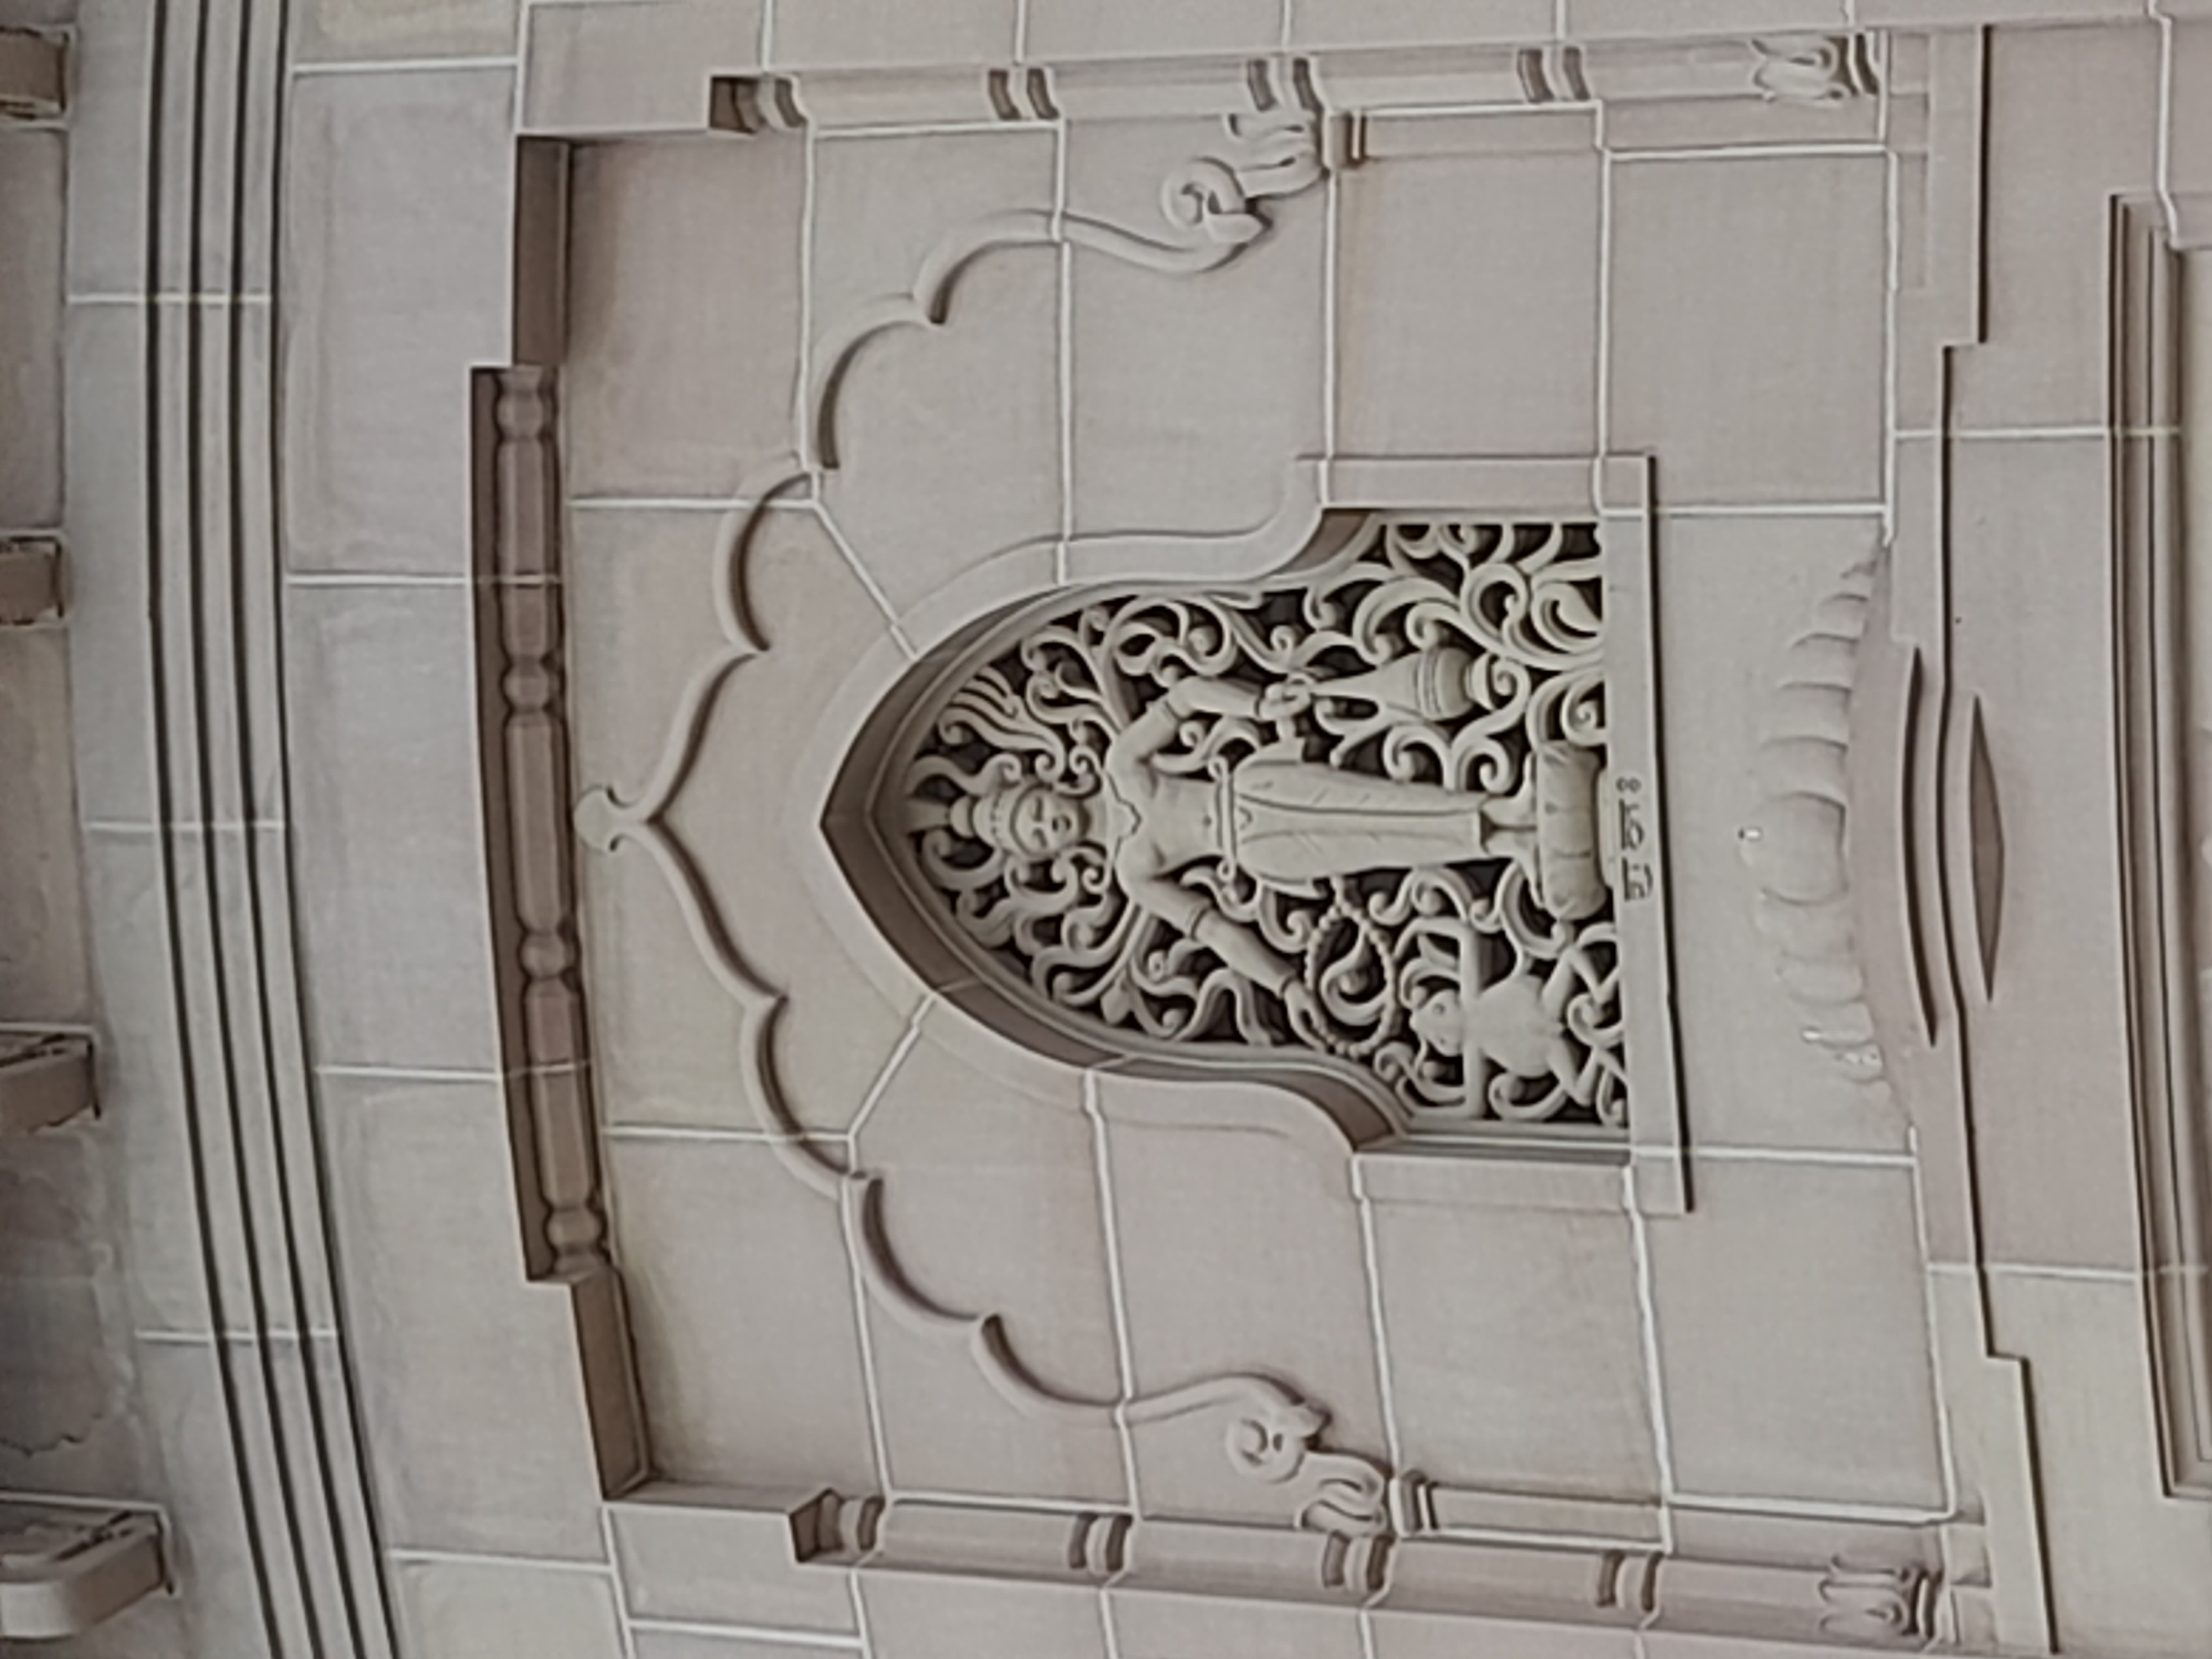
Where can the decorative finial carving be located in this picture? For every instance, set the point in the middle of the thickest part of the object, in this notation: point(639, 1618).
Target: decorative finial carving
point(1813, 68)
point(1879, 1603)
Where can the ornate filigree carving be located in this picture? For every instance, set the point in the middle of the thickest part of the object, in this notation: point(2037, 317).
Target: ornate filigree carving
point(1795, 846)
point(1354, 813)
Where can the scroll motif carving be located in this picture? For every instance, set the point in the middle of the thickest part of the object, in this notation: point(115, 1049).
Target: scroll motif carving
point(1213, 207)
point(1879, 1603)
point(1356, 812)
point(1814, 69)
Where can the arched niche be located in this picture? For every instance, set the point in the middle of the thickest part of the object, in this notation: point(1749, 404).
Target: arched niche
point(1370, 824)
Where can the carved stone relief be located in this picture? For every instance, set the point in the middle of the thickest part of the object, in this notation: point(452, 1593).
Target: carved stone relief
point(1364, 812)
point(1795, 846)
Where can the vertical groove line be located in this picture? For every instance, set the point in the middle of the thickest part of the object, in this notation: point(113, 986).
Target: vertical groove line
point(197, 552)
point(164, 792)
point(318, 1144)
point(250, 837)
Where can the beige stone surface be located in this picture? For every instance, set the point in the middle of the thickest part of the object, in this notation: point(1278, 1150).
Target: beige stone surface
point(31, 222)
point(1793, 1338)
point(1418, 22)
point(1735, 282)
point(1161, 1626)
point(1058, 29)
point(104, 524)
point(2080, 1338)
point(683, 316)
point(1284, 1291)
point(1594, 19)
point(1467, 310)
point(397, 288)
point(1517, 1346)
point(719, 1242)
point(382, 704)
point(107, 148)
point(982, 406)
point(649, 1644)
point(883, 32)
point(467, 1374)
point(1749, 1078)
point(42, 951)
point(991, 1201)
point(2061, 1193)
point(2072, 119)
point(632, 66)
point(922, 1617)
point(348, 31)
point(475, 1606)
point(698, 1563)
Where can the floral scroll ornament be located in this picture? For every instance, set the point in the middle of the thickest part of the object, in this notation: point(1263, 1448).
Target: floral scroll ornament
point(1353, 813)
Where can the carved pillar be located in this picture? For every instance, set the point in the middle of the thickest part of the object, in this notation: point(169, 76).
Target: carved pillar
point(525, 759)
point(528, 725)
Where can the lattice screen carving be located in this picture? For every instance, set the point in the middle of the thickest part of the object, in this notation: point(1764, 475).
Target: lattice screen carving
point(1353, 812)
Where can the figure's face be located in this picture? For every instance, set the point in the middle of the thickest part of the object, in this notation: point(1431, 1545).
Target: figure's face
point(1046, 822)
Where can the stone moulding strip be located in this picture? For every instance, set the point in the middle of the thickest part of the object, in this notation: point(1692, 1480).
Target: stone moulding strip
point(523, 756)
point(1777, 1577)
point(1812, 70)
point(2168, 909)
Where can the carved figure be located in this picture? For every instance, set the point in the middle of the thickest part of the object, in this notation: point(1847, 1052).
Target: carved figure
point(1338, 813)
point(1519, 1025)
point(1276, 816)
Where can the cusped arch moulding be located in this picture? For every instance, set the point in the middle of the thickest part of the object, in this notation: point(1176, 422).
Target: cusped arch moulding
point(1213, 207)
point(1270, 1434)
